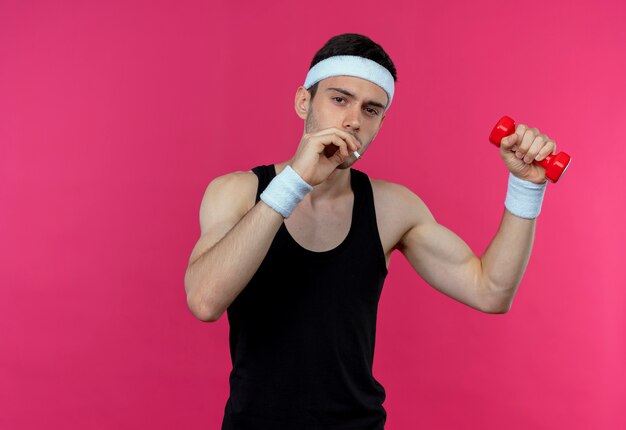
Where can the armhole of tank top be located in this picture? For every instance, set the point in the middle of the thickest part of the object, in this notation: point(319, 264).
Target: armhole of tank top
point(263, 175)
point(258, 173)
point(369, 189)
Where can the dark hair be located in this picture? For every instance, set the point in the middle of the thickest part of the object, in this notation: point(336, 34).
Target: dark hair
point(353, 44)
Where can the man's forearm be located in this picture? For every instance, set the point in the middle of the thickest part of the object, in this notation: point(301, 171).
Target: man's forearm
point(505, 260)
point(217, 277)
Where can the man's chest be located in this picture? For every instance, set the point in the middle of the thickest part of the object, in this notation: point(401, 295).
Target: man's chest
point(322, 228)
point(325, 229)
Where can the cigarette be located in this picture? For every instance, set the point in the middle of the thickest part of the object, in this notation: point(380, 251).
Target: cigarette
point(356, 155)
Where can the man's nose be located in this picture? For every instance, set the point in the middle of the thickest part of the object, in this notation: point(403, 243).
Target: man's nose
point(353, 118)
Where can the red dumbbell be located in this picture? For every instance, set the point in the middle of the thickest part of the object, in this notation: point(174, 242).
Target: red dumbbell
point(555, 165)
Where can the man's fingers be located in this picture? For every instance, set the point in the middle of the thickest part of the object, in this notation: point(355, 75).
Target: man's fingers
point(549, 148)
point(354, 143)
point(535, 147)
point(530, 134)
point(332, 146)
point(509, 142)
point(528, 144)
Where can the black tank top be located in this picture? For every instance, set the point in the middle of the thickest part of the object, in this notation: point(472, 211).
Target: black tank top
point(302, 332)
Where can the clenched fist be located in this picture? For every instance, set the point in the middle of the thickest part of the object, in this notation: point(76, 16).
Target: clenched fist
point(522, 147)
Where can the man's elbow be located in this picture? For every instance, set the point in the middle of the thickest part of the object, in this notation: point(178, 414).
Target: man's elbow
point(497, 301)
point(497, 306)
point(201, 311)
point(197, 305)
point(501, 309)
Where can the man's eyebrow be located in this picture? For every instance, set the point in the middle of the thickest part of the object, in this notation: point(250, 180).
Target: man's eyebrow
point(349, 94)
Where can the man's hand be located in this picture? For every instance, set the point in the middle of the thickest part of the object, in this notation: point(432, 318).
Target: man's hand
point(522, 147)
point(320, 153)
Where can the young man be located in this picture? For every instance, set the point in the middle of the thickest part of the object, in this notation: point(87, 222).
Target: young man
point(297, 252)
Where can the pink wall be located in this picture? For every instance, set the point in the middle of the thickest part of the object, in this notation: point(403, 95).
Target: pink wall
point(115, 115)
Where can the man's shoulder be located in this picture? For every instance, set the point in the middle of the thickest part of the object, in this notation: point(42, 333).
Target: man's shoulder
point(395, 197)
point(391, 190)
point(398, 210)
point(234, 179)
point(239, 186)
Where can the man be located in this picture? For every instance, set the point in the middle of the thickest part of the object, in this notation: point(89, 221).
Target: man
point(297, 252)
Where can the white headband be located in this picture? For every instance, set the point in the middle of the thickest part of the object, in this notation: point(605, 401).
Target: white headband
point(352, 65)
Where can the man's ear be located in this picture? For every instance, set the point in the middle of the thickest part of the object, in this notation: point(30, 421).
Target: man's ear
point(301, 103)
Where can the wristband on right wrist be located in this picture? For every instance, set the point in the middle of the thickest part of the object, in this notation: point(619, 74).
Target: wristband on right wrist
point(524, 198)
point(285, 191)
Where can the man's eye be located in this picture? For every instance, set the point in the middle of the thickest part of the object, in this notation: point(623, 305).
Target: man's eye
point(338, 98)
point(372, 111)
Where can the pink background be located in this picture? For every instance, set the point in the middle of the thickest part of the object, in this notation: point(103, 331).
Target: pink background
point(114, 117)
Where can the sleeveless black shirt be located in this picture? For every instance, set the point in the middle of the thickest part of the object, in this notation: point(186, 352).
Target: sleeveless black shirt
point(302, 332)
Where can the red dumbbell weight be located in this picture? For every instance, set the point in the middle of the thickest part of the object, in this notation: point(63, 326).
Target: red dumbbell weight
point(555, 165)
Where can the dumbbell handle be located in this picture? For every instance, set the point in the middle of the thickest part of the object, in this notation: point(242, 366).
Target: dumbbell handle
point(555, 165)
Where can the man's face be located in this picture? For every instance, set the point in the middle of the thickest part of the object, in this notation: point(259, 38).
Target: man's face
point(351, 104)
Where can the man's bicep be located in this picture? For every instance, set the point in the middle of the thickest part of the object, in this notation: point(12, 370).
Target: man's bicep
point(444, 261)
point(226, 200)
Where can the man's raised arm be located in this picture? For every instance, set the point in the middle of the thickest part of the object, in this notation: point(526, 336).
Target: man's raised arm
point(446, 262)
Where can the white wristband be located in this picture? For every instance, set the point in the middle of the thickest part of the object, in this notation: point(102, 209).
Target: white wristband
point(524, 198)
point(285, 191)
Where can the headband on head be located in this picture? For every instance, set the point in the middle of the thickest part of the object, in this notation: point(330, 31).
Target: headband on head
point(352, 65)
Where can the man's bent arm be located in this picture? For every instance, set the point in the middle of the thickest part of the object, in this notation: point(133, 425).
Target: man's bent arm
point(487, 283)
point(216, 278)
